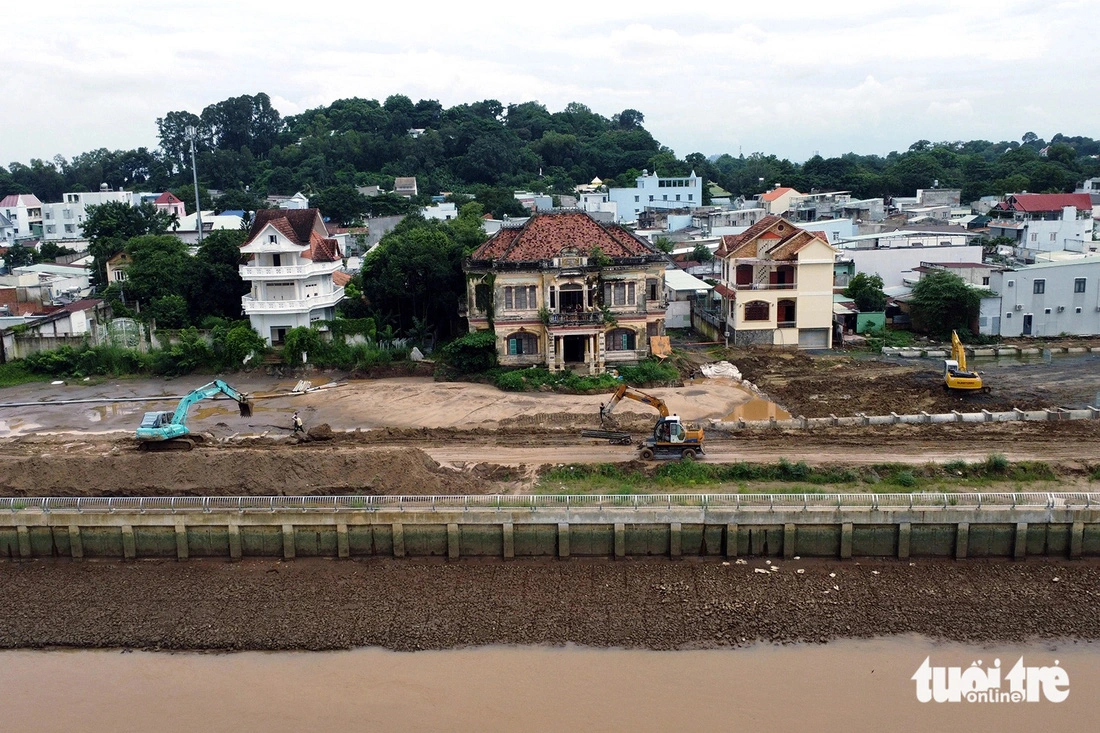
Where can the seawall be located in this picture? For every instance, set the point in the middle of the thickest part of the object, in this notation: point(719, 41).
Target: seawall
point(1063, 525)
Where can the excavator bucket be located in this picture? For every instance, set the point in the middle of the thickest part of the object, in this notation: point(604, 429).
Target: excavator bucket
point(246, 408)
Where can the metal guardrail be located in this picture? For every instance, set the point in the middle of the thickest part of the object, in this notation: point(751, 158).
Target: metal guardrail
point(534, 502)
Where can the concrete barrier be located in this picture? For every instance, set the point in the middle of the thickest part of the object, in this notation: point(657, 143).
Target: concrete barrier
point(674, 525)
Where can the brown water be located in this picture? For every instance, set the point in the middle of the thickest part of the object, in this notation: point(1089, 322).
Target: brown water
point(843, 686)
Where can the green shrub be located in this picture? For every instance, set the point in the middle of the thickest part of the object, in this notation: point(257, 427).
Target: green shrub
point(650, 371)
point(473, 353)
point(905, 479)
point(996, 463)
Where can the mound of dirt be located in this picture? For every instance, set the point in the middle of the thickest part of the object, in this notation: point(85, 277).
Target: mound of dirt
point(246, 472)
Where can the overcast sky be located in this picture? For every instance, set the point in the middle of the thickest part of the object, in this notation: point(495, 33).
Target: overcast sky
point(791, 78)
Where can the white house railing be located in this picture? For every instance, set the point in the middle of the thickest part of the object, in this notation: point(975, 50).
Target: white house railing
point(324, 300)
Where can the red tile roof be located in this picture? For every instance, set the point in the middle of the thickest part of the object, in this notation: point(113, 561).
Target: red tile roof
point(167, 198)
point(322, 249)
point(776, 193)
point(82, 305)
point(725, 292)
point(783, 238)
point(1036, 202)
point(545, 236)
point(340, 279)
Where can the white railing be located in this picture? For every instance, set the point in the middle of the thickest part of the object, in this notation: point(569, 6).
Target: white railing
point(534, 502)
point(252, 272)
point(251, 305)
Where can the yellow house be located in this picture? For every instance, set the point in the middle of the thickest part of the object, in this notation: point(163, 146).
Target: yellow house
point(567, 292)
point(777, 286)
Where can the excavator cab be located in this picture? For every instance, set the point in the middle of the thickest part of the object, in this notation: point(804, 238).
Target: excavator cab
point(955, 374)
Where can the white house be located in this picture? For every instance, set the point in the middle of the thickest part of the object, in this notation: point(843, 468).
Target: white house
point(46, 282)
point(1044, 222)
point(681, 290)
point(65, 220)
point(187, 231)
point(597, 204)
point(1046, 299)
point(24, 211)
point(655, 192)
point(7, 230)
point(443, 211)
point(291, 269)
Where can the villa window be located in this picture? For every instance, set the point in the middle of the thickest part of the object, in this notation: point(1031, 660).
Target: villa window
point(521, 343)
point(621, 339)
point(1039, 287)
point(1079, 285)
point(520, 298)
point(757, 310)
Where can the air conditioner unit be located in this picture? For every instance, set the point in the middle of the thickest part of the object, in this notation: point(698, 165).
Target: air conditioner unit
point(1019, 307)
point(1061, 308)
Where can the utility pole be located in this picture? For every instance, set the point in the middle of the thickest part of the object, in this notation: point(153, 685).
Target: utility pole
point(191, 133)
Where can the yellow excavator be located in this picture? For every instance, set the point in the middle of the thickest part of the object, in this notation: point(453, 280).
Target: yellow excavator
point(670, 439)
point(955, 374)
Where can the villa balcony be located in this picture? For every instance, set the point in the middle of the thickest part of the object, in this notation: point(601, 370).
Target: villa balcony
point(765, 286)
point(296, 272)
point(326, 300)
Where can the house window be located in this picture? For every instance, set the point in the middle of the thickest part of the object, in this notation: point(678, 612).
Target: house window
point(651, 289)
point(621, 339)
point(69, 228)
point(677, 197)
point(120, 275)
point(272, 239)
point(1039, 287)
point(520, 298)
point(1078, 284)
point(637, 198)
point(985, 281)
point(1034, 237)
point(1054, 236)
point(757, 310)
point(690, 195)
point(619, 293)
point(521, 343)
point(276, 260)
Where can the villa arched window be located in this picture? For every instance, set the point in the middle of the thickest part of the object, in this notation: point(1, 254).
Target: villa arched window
point(621, 339)
point(521, 343)
point(757, 310)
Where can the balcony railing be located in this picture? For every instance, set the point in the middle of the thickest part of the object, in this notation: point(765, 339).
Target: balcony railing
point(786, 324)
point(765, 286)
point(587, 318)
point(252, 272)
point(325, 300)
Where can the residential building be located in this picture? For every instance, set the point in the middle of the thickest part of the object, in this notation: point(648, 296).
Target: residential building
point(65, 220)
point(24, 211)
point(405, 186)
point(186, 229)
point(1044, 222)
point(444, 211)
point(598, 205)
point(717, 221)
point(170, 204)
point(656, 192)
point(896, 265)
point(779, 200)
point(534, 201)
point(978, 274)
point(930, 236)
point(116, 267)
point(777, 286)
point(46, 283)
point(291, 266)
point(681, 292)
point(1046, 299)
point(7, 230)
point(567, 292)
point(71, 319)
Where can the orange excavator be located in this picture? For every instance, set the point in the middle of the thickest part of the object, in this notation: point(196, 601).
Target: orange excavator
point(671, 438)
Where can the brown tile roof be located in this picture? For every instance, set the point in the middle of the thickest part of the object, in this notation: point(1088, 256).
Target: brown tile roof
point(340, 279)
point(322, 249)
point(82, 305)
point(545, 236)
point(776, 193)
point(725, 292)
point(296, 224)
point(167, 198)
point(784, 240)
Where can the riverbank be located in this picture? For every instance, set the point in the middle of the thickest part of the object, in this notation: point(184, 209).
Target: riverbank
point(314, 604)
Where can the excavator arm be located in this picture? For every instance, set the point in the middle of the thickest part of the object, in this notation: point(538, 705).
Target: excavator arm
point(179, 417)
point(626, 390)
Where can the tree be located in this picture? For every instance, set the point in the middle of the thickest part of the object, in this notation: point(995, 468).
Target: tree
point(18, 256)
point(702, 253)
point(664, 244)
point(215, 287)
point(186, 194)
point(866, 291)
point(50, 251)
point(109, 226)
point(239, 200)
point(159, 267)
point(942, 302)
point(343, 204)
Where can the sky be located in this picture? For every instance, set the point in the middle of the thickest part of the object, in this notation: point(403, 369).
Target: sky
point(791, 79)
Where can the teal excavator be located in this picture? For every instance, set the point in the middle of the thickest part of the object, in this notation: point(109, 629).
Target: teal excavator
point(168, 430)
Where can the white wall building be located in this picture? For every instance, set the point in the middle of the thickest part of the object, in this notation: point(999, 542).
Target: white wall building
point(24, 211)
point(1048, 222)
point(897, 265)
point(65, 220)
point(656, 192)
point(1046, 299)
point(443, 211)
point(906, 238)
point(7, 230)
point(681, 290)
point(186, 228)
point(291, 272)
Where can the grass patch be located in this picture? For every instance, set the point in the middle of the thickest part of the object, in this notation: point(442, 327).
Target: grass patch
point(16, 372)
point(785, 476)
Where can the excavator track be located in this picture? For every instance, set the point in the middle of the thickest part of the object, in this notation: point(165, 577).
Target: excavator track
point(165, 446)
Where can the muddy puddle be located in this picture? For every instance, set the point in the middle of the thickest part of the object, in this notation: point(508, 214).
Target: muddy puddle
point(757, 409)
point(841, 686)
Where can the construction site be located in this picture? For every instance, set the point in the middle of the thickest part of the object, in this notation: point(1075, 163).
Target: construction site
point(111, 541)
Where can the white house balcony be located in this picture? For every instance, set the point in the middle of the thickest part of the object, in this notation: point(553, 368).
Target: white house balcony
point(296, 272)
point(325, 300)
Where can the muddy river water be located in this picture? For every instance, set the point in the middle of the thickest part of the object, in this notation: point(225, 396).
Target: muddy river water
point(842, 686)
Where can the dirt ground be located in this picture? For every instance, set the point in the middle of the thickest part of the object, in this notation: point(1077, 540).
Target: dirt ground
point(657, 604)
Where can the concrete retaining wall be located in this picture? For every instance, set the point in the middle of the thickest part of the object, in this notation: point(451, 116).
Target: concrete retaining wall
point(1056, 526)
point(806, 423)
